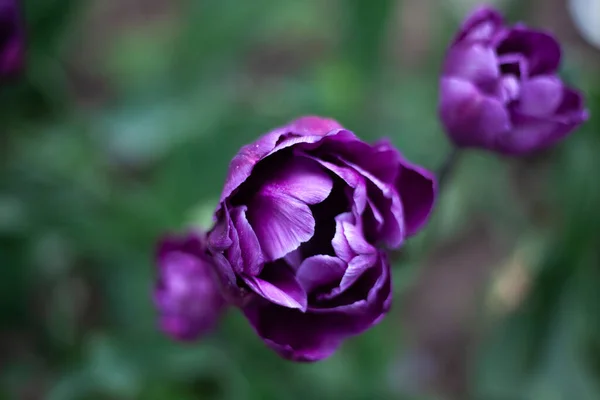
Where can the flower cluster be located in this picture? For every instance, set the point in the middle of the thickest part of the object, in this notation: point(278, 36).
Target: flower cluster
point(309, 211)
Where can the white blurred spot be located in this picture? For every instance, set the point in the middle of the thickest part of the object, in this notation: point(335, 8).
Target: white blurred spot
point(586, 16)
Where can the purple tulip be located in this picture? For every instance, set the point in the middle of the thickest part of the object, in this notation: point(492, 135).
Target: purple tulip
point(500, 89)
point(11, 38)
point(186, 295)
point(299, 229)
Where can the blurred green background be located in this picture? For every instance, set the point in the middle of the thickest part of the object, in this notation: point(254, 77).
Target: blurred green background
point(122, 127)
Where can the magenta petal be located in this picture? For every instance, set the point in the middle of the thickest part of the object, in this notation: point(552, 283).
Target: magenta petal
point(340, 243)
point(471, 118)
point(279, 212)
point(417, 187)
point(234, 252)
point(278, 285)
point(251, 252)
point(227, 280)
point(302, 179)
point(314, 141)
point(529, 134)
point(317, 333)
point(294, 335)
point(218, 238)
point(572, 104)
point(356, 240)
point(379, 159)
point(508, 88)
point(294, 258)
point(474, 63)
point(481, 25)
point(319, 271)
point(357, 266)
point(378, 219)
point(540, 96)
point(303, 130)
point(385, 188)
point(281, 224)
point(313, 125)
point(541, 49)
point(378, 298)
point(351, 178)
point(243, 163)
point(532, 134)
point(392, 232)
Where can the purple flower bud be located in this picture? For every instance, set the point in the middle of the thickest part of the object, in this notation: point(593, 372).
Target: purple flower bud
point(11, 38)
point(186, 294)
point(299, 229)
point(500, 89)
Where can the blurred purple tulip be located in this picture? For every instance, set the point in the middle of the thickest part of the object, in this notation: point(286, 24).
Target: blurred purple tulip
point(12, 42)
point(300, 227)
point(500, 89)
point(186, 295)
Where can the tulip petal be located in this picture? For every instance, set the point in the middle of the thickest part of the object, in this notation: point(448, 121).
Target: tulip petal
point(392, 232)
point(218, 238)
point(541, 49)
point(251, 253)
point(474, 63)
point(227, 279)
point(373, 221)
point(302, 179)
point(340, 243)
point(351, 178)
point(357, 266)
point(309, 130)
point(317, 333)
point(294, 335)
point(471, 118)
point(234, 252)
point(367, 290)
point(313, 125)
point(356, 240)
point(417, 187)
point(320, 271)
point(532, 134)
point(281, 224)
point(245, 160)
point(294, 258)
point(540, 96)
point(279, 212)
point(278, 285)
point(481, 25)
point(314, 141)
point(572, 104)
point(380, 159)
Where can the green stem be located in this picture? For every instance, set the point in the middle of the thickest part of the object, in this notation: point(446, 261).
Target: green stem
point(448, 167)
